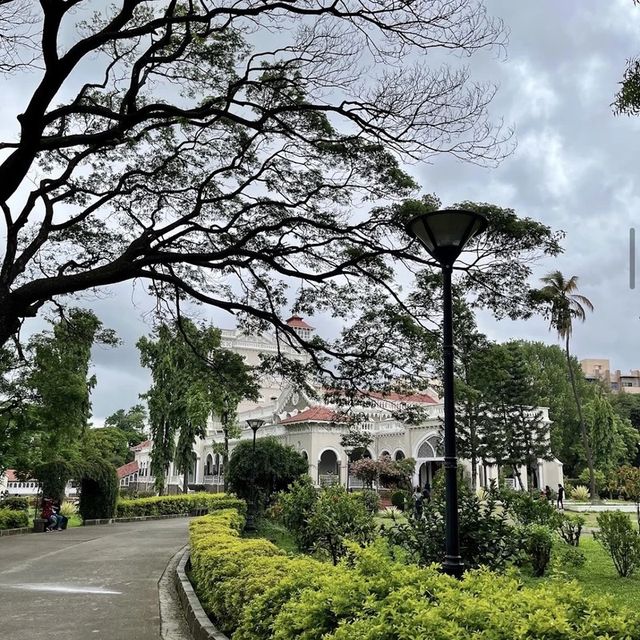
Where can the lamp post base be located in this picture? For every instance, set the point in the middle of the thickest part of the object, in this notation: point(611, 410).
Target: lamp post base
point(453, 566)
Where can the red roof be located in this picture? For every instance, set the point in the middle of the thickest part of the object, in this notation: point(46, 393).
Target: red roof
point(127, 469)
point(142, 445)
point(11, 475)
point(315, 414)
point(403, 397)
point(298, 323)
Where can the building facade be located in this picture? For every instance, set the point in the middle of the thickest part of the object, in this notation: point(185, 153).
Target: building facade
point(599, 370)
point(315, 429)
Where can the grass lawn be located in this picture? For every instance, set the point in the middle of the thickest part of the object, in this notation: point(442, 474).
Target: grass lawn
point(599, 577)
point(591, 516)
point(276, 533)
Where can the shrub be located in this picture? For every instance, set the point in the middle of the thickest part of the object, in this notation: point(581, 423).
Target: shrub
point(255, 592)
point(276, 467)
point(399, 499)
point(567, 557)
point(370, 499)
point(580, 493)
point(338, 515)
point(526, 509)
point(13, 519)
point(295, 507)
point(15, 503)
point(486, 535)
point(620, 540)
point(174, 505)
point(601, 479)
point(570, 529)
point(366, 470)
point(68, 509)
point(537, 543)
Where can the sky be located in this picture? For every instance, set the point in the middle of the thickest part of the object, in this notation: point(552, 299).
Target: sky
point(574, 168)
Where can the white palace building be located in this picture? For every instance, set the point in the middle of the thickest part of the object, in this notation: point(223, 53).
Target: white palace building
point(315, 429)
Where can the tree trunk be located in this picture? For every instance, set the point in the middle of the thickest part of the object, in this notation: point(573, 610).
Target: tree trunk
point(225, 459)
point(583, 427)
point(185, 481)
point(517, 474)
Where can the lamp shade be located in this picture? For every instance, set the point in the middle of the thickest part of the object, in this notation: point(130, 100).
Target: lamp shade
point(445, 233)
point(255, 423)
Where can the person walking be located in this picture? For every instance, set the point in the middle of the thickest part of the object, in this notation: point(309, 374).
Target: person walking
point(560, 502)
point(547, 493)
point(417, 503)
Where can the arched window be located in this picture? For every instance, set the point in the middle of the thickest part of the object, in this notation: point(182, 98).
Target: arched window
point(208, 468)
point(400, 455)
point(385, 454)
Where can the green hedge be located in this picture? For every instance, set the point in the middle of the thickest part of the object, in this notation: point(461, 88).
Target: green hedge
point(13, 519)
point(255, 592)
point(17, 503)
point(168, 505)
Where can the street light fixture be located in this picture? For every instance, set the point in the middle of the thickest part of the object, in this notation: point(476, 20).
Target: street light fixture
point(444, 235)
point(252, 512)
point(348, 449)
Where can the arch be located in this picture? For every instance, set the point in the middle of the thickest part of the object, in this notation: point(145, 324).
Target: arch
point(384, 453)
point(399, 455)
point(208, 467)
point(328, 467)
point(431, 447)
point(193, 468)
point(305, 455)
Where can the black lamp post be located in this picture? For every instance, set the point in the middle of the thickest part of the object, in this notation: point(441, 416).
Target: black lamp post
point(252, 511)
point(444, 235)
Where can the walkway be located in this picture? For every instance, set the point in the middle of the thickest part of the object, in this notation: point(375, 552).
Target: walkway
point(87, 582)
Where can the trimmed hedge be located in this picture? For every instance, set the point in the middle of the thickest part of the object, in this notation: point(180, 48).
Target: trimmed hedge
point(17, 503)
point(13, 519)
point(171, 505)
point(255, 592)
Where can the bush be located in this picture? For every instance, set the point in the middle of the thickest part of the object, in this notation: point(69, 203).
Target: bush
point(13, 519)
point(370, 499)
point(276, 467)
point(601, 479)
point(570, 529)
point(567, 557)
point(68, 509)
point(255, 592)
point(294, 508)
point(537, 543)
point(174, 505)
point(580, 493)
point(526, 509)
point(620, 540)
point(15, 503)
point(400, 499)
point(486, 535)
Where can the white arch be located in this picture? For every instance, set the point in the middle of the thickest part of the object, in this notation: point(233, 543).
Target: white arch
point(424, 440)
point(334, 451)
point(396, 452)
point(384, 452)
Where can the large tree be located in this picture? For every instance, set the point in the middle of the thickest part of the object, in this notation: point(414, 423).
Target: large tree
point(131, 422)
point(565, 305)
point(221, 149)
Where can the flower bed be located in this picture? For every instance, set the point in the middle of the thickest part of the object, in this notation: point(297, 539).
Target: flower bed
point(171, 505)
point(254, 591)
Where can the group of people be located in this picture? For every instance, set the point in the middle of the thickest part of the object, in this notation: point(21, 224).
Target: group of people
point(54, 520)
point(547, 494)
point(419, 498)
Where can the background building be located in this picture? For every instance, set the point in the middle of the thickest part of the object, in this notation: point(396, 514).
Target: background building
point(598, 369)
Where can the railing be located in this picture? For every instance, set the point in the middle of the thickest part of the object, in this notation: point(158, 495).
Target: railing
point(328, 479)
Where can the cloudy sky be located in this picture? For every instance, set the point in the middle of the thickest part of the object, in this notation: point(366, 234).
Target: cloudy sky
point(574, 168)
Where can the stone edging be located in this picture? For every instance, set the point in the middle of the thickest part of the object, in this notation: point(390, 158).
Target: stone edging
point(91, 523)
point(201, 627)
point(14, 532)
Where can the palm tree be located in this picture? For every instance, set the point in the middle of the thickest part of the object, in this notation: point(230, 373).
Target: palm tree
point(566, 304)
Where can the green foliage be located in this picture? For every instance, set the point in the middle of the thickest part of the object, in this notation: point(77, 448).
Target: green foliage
point(537, 543)
point(526, 509)
point(295, 507)
point(487, 536)
point(580, 493)
point(16, 503)
point(566, 557)
point(358, 440)
point(254, 592)
point(178, 504)
point(370, 499)
point(570, 529)
point(337, 516)
point(621, 541)
point(400, 499)
point(366, 470)
point(276, 467)
point(109, 444)
point(130, 422)
point(98, 489)
point(13, 518)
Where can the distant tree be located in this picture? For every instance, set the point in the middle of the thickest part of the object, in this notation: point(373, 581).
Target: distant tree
point(629, 481)
point(131, 422)
point(358, 441)
point(109, 444)
point(563, 305)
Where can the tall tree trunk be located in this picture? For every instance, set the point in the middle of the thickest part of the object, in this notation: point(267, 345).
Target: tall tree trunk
point(225, 459)
point(518, 476)
point(583, 427)
point(185, 481)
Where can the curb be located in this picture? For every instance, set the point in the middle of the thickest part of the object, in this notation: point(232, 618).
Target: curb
point(201, 627)
point(15, 532)
point(95, 522)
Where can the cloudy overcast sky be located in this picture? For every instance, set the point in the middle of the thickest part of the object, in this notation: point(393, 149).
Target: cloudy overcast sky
point(574, 168)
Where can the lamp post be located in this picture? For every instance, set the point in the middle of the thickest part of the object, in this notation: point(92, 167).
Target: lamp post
point(254, 424)
point(444, 235)
point(348, 449)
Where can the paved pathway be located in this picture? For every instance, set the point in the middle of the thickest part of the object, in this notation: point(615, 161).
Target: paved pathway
point(87, 582)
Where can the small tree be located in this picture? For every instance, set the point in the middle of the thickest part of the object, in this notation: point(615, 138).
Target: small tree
point(629, 481)
point(366, 470)
point(619, 540)
point(276, 467)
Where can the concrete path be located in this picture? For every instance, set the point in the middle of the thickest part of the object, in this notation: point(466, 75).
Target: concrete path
point(87, 582)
